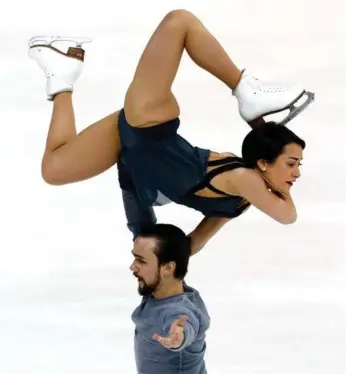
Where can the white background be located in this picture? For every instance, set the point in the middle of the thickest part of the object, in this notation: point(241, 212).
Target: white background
point(276, 294)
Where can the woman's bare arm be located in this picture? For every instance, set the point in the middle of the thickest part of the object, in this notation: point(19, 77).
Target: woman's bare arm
point(250, 185)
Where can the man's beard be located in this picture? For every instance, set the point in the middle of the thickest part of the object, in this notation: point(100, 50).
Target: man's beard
point(145, 289)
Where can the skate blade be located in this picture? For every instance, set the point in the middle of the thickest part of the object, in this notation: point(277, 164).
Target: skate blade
point(294, 110)
point(48, 40)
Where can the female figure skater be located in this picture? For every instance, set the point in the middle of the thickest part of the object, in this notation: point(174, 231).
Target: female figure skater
point(156, 164)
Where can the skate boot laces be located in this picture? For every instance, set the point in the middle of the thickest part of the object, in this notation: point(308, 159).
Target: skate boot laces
point(257, 84)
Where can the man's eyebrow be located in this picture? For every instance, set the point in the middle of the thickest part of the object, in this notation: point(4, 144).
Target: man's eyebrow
point(136, 255)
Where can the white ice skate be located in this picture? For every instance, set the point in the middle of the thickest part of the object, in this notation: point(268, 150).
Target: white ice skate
point(61, 68)
point(257, 99)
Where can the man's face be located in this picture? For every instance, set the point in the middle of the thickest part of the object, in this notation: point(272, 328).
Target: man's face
point(145, 265)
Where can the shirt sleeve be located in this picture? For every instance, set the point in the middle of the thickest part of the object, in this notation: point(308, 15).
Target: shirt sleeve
point(191, 326)
point(138, 217)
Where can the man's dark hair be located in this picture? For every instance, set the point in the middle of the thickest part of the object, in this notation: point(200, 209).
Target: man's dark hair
point(172, 245)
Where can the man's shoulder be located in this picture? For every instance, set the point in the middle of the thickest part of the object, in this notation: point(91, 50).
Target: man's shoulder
point(192, 306)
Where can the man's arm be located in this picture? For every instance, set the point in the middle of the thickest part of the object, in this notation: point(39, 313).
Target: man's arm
point(137, 216)
point(205, 230)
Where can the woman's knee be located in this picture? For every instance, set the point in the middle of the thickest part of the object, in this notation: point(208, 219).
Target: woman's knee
point(177, 17)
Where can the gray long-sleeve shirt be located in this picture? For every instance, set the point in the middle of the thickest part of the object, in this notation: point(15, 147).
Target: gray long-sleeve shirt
point(156, 316)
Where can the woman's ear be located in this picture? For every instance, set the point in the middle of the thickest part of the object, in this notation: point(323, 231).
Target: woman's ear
point(262, 165)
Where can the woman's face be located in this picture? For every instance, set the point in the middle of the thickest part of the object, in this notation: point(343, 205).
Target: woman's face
point(284, 171)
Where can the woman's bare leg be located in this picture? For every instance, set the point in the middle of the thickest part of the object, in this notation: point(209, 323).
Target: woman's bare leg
point(149, 100)
point(70, 158)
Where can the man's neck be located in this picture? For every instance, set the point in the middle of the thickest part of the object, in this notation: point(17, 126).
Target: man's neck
point(171, 289)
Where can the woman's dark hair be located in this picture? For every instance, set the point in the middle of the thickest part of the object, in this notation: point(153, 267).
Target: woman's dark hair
point(267, 142)
point(172, 245)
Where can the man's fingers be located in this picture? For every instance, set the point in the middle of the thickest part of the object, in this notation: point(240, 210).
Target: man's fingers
point(158, 338)
point(181, 321)
point(166, 342)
